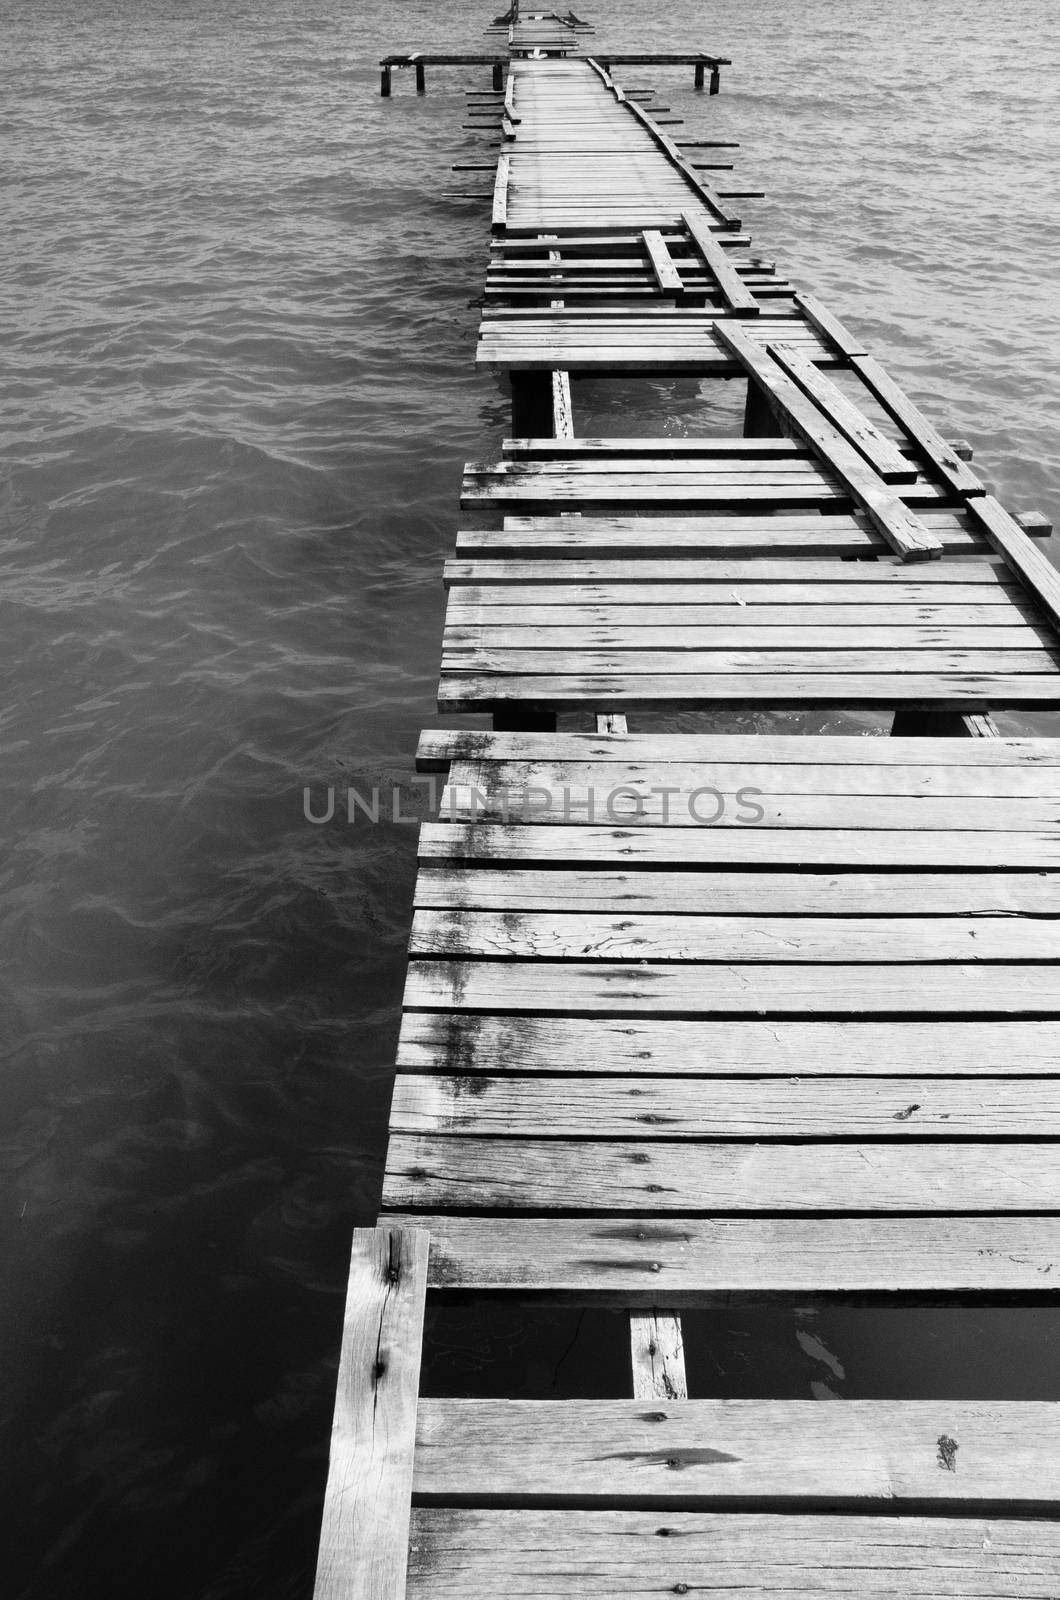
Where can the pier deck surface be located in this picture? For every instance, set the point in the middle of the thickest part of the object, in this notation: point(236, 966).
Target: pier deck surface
point(698, 1019)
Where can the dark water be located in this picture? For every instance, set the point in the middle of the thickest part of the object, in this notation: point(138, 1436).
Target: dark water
point(238, 389)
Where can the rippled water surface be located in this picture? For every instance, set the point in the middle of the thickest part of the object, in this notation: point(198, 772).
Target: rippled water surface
point(237, 390)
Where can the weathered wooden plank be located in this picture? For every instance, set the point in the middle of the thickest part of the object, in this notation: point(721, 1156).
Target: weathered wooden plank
point(939, 583)
point(741, 1451)
point(704, 1261)
point(757, 893)
point(898, 661)
point(563, 845)
point(663, 266)
point(957, 474)
point(468, 1554)
point(829, 327)
point(1028, 563)
point(908, 537)
point(958, 690)
point(584, 1107)
point(796, 775)
point(500, 194)
point(663, 936)
point(433, 1172)
point(813, 751)
point(734, 988)
point(364, 1538)
point(623, 622)
point(735, 293)
point(882, 454)
point(486, 645)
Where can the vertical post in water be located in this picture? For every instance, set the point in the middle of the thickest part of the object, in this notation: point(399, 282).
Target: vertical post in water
point(715, 80)
point(498, 75)
point(699, 74)
point(421, 78)
point(384, 80)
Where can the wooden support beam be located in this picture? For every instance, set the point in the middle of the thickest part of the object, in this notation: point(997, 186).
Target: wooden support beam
point(657, 1352)
point(367, 1503)
point(384, 80)
point(498, 75)
point(562, 409)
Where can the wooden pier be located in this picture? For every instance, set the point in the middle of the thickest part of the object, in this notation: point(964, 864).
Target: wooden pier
point(701, 1019)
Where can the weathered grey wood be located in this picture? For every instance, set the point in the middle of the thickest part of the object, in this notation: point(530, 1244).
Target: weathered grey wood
point(829, 327)
point(467, 1554)
point(976, 785)
point(559, 844)
point(582, 1107)
point(956, 687)
point(734, 291)
point(705, 1261)
point(364, 1538)
point(741, 1451)
point(916, 426)
point(1029, 564)
point(733, 988)
point(808, 891)
point(662, 936)
point(500, 194)
point(663, 266)
point(908, 537)
point(429, 1171)
point(899, 661)
point(880, 452)
point(950, 582)
point(657, 1354)
point(524, 648)
point(440, 746)
point(562, 408)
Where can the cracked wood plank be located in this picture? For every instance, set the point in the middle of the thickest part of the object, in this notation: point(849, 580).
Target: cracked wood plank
point(435, 1172)
point(466, 1554)
point(364, 1538)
